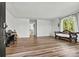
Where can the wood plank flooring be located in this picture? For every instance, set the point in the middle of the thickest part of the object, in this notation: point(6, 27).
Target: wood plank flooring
point(43, 47)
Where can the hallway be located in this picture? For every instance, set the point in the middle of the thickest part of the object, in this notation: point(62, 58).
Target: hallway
point(43, 47)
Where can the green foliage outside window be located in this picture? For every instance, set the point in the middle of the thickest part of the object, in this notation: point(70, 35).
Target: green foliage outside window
point(68, 24)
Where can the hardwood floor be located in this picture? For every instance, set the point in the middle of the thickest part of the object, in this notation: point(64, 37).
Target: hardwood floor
point(43, 47)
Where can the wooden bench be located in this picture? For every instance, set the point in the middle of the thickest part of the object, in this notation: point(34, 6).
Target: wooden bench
point(68, 35)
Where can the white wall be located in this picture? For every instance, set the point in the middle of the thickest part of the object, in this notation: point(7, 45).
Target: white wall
point(43, 27)
point(54, 26)
point(78, 25)
point(78, 20)
point(21, 25)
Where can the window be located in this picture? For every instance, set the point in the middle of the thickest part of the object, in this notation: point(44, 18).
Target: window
point(69, 23)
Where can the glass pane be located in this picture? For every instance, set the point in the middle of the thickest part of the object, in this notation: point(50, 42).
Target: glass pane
point(68, 24)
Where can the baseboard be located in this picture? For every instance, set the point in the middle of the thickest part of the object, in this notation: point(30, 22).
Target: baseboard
point(23, 38)
point(36, 37)
point(44, 36)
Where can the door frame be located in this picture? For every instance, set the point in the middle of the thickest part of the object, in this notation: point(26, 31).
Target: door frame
point(2, 29)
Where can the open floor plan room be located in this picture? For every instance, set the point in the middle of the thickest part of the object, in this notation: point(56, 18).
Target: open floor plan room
point(42, 29)
point(39, 29)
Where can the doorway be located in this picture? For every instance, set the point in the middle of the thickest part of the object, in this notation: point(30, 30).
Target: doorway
point(33, 28)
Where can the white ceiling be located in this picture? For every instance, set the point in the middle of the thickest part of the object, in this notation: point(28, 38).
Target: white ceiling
point(44, 10)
